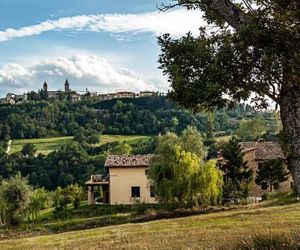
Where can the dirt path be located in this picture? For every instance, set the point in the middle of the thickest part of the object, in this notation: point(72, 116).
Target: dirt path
point(8, 146)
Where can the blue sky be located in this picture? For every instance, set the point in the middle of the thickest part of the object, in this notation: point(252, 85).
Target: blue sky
point(103, 45)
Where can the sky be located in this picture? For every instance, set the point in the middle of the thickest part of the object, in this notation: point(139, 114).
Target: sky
point(102, 45)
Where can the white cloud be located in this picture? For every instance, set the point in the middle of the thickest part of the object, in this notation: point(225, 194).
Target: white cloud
point(14, 74)
point(177, 22)
point(83, 71)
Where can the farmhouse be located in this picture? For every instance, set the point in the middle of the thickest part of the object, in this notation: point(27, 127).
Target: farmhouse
point(256, 152)
point(126, 182)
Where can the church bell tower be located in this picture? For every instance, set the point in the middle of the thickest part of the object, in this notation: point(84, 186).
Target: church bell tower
point(67, 86)
point(45, 87)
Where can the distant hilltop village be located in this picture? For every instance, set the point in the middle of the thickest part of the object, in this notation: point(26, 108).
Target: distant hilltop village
point(71, 95)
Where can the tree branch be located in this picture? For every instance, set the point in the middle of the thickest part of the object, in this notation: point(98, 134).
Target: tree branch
point(226, 9)
point(273, 97)
point(229, 11)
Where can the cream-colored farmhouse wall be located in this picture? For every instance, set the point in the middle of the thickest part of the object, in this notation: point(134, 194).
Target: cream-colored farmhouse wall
point(122, 179)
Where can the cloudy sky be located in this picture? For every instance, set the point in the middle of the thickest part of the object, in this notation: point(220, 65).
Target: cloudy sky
point(103, 45)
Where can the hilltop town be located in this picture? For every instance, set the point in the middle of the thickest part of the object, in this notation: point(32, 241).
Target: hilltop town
point(73, 95)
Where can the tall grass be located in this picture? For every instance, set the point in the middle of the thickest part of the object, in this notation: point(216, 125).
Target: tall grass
point(270, 240)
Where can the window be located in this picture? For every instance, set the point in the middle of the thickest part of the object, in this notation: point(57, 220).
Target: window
point(135, 192)
point(146, 172)
point(152, 191)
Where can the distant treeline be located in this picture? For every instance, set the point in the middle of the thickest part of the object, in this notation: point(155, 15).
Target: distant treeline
point(145, 115)
point(69, 164)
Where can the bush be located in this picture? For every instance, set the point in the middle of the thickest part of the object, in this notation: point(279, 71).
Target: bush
point(15, 197)
point(270, 240)
point(72, 194)
point(140, 208)
point(39, 200)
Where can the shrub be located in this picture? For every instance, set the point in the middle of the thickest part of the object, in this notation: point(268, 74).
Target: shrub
point(270, 240)
point(71, 194)
point(15, 197)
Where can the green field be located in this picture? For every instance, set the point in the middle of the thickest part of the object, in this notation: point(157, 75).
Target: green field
point(208, 231)
point(46, 145)
point(224, 138)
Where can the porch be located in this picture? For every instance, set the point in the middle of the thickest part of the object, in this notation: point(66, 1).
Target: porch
point(98, 182)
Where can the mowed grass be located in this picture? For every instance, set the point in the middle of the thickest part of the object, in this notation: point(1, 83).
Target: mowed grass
point(224, 138)
point(220, 230)
point(43, 145)
point(47, 145)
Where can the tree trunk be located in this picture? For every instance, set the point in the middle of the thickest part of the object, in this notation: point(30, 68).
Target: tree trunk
point(290, 116)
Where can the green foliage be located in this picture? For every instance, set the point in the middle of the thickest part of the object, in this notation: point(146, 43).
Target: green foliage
point(141, 116)
point(179, 176)
point(192, 141)
point(237, 175)
point(15, 195)
point(250, 130)
point(222, 67)
point(271, 173)
point(38, 201)
point(121, 149)
point(28, 150)
point(93, 139)
point(71, 194)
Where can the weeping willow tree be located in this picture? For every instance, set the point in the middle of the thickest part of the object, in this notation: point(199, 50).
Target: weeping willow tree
point(181, 177)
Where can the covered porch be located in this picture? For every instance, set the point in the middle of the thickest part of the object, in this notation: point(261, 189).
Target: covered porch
point(98, 181)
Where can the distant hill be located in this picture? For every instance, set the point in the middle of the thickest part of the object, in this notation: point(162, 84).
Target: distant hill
point(47, 145)
point(127, 116)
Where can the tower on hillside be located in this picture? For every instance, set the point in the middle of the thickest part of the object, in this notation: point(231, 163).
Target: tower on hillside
point(45, 87)
point(67, 86)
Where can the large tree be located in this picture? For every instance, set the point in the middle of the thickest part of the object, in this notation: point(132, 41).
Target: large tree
point(254, 54)
point(179, 176)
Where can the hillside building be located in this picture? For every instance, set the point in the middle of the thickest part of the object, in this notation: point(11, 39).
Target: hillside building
point(74, 97)
point(126, 182)
point(12, 98)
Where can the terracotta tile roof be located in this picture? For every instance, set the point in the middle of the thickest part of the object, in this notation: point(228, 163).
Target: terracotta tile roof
point(263, 150)
point(128, 160)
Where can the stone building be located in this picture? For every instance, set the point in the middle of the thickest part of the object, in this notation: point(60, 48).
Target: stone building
point(12, 98)
point(257, 152)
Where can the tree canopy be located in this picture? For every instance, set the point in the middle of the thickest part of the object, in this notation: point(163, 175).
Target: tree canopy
point(253, 54)
point(180, 177)
point(271, 173)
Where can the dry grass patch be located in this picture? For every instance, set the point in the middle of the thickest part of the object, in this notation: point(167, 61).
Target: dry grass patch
point(223, 230)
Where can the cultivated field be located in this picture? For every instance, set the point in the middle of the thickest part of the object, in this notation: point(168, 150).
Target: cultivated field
point(209, 231)
point(46, 145)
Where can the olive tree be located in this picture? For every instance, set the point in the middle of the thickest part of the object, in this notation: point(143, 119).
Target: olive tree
point(15, 197)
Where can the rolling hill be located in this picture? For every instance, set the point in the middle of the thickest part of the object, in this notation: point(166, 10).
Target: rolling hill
point(208, 231)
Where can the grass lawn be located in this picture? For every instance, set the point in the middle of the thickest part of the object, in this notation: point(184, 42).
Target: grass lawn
point(208, 231)
point(224, 138)
point(46, 145)
point(43, 145)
